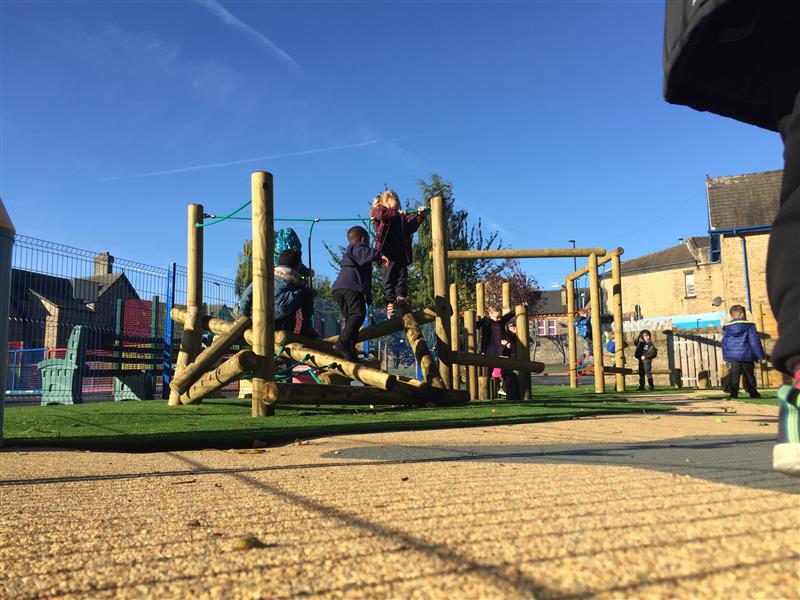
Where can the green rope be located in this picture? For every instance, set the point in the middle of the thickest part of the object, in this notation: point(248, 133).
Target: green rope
point(224, 218)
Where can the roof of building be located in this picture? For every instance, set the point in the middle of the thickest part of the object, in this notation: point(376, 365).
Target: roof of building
point(675, 256)
point(743, 200)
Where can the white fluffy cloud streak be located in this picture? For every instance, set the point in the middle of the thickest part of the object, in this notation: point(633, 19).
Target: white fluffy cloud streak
point(242, 161)
point(227, 18)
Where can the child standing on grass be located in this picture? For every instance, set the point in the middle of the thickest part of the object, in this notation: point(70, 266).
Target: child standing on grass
point(645, 353)
point(352, 289)
point(741, 347)
point(393, 231)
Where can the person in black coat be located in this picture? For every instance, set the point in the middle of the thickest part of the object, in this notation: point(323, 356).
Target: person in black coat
point(352, 289)
point(509, 345)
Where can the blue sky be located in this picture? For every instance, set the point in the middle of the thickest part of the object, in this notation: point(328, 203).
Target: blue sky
point(547, 117)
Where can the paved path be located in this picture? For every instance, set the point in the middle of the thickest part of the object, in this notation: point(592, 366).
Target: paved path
point(677, 505)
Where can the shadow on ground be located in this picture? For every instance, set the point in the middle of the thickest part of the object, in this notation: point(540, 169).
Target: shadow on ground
point(743, 460)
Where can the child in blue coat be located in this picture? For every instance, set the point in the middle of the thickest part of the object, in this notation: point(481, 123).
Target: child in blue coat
point(741, 348)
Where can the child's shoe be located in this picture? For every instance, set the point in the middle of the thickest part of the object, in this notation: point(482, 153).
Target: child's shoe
point(786, 454)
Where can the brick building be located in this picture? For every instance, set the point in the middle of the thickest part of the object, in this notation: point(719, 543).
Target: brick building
point(741, 209)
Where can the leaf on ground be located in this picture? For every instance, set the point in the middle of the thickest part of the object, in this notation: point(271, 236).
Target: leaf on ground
point(248, 542)
point(720, 420)
point(245, 450)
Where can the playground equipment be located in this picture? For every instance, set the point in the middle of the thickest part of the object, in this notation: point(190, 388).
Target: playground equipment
point(195, 376)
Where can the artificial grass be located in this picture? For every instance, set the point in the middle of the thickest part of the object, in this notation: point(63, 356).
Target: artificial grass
point(225, 423)
point(767, 397)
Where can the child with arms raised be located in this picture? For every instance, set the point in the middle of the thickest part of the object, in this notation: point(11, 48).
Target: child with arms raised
point(393, 231)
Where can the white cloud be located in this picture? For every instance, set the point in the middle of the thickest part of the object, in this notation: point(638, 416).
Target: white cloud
point(242, 161)
point(227, 18)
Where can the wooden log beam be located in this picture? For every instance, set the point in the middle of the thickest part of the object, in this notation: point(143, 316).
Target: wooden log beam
point(440, 285)
point(419, 347)
point(472, 347)
point(353, 370)
point(505, 289)
point(572, 338)
point(426, 315)
point(481, 360)
point(208, 357)
point(523, 350)
point(529, 253)
point(483, 373)
point(263, 340)
point(232, 369)
point(600, 261)
point(597, 335)
point(619, 334)
point(190, 340)
point(454, 334)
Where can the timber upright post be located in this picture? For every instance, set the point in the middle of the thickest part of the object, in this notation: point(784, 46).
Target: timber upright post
point(483, 374)
point(454, 334)
point(523, 350)
point(597, 340)
point(190, 341)
point(263, 317)
point(506, 288)
point(619, 335)
point(572, 341)
point(472, 370)
point(439, 254)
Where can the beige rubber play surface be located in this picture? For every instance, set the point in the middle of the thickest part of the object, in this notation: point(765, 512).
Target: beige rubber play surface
point(679, 505)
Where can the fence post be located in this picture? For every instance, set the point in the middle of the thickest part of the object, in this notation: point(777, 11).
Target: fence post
point(7, 234)
point(758, 317)
point(166, 371)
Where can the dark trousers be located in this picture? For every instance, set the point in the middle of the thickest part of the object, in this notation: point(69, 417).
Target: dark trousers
point(306, 308)
point(395, 281)
point(783, 257)
point(646, 370)
point(741, 368)
point(354, 308)
point(511, 385)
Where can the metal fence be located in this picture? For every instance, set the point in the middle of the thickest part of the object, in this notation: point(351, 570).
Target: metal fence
point(122, 305)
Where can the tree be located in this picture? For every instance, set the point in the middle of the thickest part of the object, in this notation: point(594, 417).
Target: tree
point(322, 286)
point(461, 235)
point(244, 271)
point(523, 288)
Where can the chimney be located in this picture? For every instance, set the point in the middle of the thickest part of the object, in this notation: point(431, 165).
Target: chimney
point(103, 264)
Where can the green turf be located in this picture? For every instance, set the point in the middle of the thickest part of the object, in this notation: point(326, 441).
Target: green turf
point(767, 397)
point(226, 423)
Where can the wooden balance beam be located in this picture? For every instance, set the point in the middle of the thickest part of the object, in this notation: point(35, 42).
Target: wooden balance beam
point(480, 360)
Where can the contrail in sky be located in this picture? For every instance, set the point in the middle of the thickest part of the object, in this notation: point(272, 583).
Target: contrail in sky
point(248, 160)
point(230, 20)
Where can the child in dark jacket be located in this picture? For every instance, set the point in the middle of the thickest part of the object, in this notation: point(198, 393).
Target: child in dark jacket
point(393, 231)
point(741, 347)
point(352, 289)
point(493, 328)
point(509, 345)
point(645, 353)
point(291, 294)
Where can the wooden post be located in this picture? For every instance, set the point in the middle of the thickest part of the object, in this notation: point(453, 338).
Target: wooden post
point(523, 350)
point(263, 316)
point(454, 335)
point(525, 253)
point(353, 370)
point(439, 255)
point(472, 371)
point(572, 341)
point(483, 374)
point(190, 341)
point(231, 370)
point(597, 340)
point(208, 357)
point(426, 315)
point(758, 317)
point(506, 287)
point(619, 335)
point(420, 349)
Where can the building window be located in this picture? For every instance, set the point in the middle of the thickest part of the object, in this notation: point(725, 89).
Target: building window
point(551, 326)
point(690, 292)
point(540, 327)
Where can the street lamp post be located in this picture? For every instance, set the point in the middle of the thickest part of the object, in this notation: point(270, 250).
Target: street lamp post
point(219, 295)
